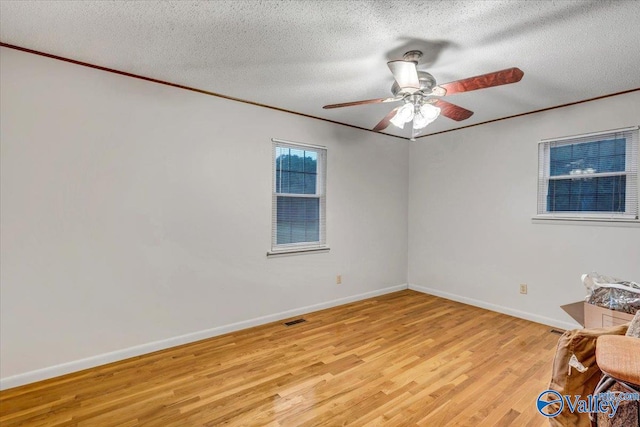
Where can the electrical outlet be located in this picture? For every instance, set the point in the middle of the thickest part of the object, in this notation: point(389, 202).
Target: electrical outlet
point(339, 279)
point(523, 288)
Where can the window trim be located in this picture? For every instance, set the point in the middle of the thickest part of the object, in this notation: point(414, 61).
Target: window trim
point(630, 215)
point(300, 247)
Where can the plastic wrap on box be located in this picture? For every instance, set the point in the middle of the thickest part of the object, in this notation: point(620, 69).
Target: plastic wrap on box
point(612, 293)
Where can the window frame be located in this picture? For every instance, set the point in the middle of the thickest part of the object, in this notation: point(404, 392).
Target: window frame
point(321, 184)
point(632, 195)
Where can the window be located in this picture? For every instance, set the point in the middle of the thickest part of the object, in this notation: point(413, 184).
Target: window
point(298, 197)
point(591, 176)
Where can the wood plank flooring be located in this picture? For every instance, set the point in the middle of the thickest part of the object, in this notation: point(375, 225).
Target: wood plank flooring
point(402, 359)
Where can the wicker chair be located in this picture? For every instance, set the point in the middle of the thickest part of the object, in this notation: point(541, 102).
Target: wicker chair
point(618, 357)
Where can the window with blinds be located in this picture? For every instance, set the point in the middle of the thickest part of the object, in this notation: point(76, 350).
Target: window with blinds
point(298, 204)
point(592, 176)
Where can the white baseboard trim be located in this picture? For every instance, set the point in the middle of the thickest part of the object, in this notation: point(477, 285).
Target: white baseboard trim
point(114, 356)
point(498, 308)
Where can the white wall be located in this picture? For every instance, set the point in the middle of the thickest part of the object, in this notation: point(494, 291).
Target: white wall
point(134, 214)
point(472, 194)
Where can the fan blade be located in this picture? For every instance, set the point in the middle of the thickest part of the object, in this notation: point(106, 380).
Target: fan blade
point(405, 73)
point(384, 123)
point(453, 111)
point(498, 78)
point(367, 101)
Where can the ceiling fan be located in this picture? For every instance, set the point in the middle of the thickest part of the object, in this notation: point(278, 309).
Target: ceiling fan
point(420, 94)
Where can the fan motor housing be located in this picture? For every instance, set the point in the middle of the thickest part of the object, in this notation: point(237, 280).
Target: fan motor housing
point(427, 82)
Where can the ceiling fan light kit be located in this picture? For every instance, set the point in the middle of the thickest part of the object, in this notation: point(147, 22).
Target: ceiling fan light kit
point(420, 114)
point(421, 94)
point(426, 114)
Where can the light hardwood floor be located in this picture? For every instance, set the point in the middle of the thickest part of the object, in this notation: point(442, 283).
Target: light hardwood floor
point(402, 359)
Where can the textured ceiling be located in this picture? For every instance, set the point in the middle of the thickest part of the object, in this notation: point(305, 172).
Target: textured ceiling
point(301, 55)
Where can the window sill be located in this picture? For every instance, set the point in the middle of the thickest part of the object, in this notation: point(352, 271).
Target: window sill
point(601, 222)
point(296, 251)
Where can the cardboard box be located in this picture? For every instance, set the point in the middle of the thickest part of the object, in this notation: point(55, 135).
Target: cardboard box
point(593, 316)
point(598, 317)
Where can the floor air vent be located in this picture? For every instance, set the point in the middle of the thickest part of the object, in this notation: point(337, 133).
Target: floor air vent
point(294, 322)
point(556, 331)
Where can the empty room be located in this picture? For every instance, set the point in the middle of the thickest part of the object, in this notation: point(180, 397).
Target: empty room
point(319, 213)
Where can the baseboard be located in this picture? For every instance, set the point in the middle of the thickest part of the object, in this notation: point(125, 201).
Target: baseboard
point(115, 356)
point(498, 308)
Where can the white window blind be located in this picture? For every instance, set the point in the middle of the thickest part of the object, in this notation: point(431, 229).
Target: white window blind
point(593, 176)
point(299, 196)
